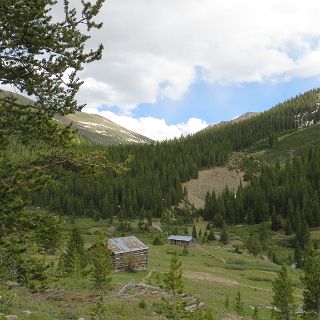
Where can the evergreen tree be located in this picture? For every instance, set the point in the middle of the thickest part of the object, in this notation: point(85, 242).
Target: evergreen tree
point(264, 235)
point(298, 255)
point(275, 221)
point(100, 258)
point(239, 305)
point(311, 285)
point(211, 236)
point(37, 52)
point(283, 301)
point(224, 237)
point(253, 245)
point(75, 258)
point(173, 279)
point(194, 232)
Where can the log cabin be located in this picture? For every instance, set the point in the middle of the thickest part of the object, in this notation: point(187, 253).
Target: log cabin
point(128, 254)
point(182, 240)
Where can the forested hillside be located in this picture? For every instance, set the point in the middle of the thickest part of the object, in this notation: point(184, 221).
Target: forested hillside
point(154, 181)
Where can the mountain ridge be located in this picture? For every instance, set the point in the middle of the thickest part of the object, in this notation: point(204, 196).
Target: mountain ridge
point(96, 128)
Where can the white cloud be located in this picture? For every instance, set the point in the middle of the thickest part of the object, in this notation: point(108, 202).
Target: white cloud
point(156, 129)
point(152, 47)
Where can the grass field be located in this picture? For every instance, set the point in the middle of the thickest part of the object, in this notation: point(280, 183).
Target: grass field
point(211, 272)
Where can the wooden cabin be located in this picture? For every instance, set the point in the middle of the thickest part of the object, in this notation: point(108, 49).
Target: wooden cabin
point(128, 254)
point(182, 240)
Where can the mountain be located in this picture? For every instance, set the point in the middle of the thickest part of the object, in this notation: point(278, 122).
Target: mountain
point(94, 127)
point(101, 130)
point(154, 182)
point(245, 116)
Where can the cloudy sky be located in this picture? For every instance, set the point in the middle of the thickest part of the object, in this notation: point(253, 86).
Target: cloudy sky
point(171, 67)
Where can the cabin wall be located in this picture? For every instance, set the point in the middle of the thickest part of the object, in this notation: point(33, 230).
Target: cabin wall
point(182, 243)
point(130, 261)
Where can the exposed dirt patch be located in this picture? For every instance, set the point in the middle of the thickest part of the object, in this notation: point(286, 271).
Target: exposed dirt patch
point(215, 179)
point(210, 278)
point(66, 296)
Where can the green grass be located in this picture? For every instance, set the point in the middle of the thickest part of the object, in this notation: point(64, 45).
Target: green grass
point(288, 144)
point(211, 272)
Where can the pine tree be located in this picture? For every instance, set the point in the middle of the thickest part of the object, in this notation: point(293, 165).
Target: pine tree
point(264, 236)
point(311, 288)
point(75, 258)
point(173, 279)
point(239, 305)
point(283, 301)
point(61, 266)
point(298, 255)
point(253, 245)
point(194, 232)
point(100, 258)
point(275, 221)
point(224, 237)
point(211, 236)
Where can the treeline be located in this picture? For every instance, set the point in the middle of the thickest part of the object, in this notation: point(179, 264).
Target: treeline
point(154, 181)
point(290, 192)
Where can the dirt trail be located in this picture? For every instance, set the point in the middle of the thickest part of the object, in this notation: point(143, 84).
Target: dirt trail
point(207, 277)
point(211, 254)
point(148, 275)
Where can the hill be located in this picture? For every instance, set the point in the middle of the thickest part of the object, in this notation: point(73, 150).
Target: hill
point(245, 116)
point(94, 127)
point(101, 130)
point(155, 179)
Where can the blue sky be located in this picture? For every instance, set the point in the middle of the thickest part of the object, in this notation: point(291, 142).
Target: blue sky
point(214, 103)
point(166, 74)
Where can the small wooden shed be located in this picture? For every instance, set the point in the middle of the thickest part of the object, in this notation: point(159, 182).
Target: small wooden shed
point(182, 240)
point(128, 253)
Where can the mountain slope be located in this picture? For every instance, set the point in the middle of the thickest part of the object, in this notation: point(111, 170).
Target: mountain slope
point(96, 128)
point(101, 130)
point(154, 181)
point(243, 117)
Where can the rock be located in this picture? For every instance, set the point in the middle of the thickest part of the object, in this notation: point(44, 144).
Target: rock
point(27, 313)
point(11, 317)
point(201, 305)
point(191, 308)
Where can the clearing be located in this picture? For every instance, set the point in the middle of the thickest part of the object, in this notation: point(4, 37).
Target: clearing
point(215, 179)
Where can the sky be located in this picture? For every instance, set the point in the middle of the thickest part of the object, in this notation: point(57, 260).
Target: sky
point(171, 67)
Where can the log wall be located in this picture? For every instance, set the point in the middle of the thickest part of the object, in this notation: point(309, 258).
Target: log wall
point(130, 261)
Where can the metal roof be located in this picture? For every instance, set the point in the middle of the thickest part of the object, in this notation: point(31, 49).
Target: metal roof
point(180, 238)
point(125, 244)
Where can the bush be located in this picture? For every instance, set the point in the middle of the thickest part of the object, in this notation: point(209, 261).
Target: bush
point(142, 304)
point(157, 241)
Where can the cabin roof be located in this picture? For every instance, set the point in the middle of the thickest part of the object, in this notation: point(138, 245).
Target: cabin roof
point(180, 238)
point(125, 244)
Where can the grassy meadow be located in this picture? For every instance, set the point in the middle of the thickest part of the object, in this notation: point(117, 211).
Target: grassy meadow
point(211, 273)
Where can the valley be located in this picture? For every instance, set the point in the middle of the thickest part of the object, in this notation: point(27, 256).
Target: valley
point(221, 182)
point(211, 272)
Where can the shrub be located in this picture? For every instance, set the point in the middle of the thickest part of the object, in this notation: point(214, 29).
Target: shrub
point(157, 241)
point(142, 304)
